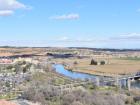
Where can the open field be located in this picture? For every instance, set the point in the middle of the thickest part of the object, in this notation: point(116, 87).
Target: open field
point(20, 51)
point(115, 66)
point(34, 79)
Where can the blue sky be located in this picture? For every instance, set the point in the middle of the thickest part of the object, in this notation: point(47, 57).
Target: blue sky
point(83, 23)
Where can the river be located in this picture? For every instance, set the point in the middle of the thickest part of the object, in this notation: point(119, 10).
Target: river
point(76, 75)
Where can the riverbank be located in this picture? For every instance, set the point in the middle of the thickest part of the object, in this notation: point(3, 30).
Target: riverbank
point(116, 67)
point(96, 73)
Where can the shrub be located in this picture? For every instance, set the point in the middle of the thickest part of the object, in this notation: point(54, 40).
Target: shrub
point(9, 67)
point(76, 103)
point(75, 63)
point(67, 99)
point(93, 62)
point(136, 99)
point(102, 62)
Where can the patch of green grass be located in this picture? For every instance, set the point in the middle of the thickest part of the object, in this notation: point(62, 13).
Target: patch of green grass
point(130, 58)
point(59, 81)
point(108, 88)
point(8, 96)
point(138, 103)
point(90, 87)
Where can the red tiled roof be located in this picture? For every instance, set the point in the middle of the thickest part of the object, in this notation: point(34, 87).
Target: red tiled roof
point(3, 102)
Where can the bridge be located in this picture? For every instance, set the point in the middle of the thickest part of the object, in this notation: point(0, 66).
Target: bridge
point(134, 76)
point(99, 81)
point(121, 81)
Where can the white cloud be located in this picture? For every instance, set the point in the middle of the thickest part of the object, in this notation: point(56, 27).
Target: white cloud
point(130, 36)
point(120, 38)
point(10, 5)
point(63, 38)
point(125, 38)
point(6, 12)
point(138, 10)
point(66, 17)
point(7, 7)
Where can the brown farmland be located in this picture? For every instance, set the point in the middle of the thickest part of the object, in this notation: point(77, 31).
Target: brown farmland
point(115, 66)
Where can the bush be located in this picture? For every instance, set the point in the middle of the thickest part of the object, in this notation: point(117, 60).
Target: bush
point(93, 62)
point(75, 63)
point(136, 99)
point(76, 103)
point(102, 62)
point(67, 99)
point(80, 97)
point(129, 100)
point(9, 67)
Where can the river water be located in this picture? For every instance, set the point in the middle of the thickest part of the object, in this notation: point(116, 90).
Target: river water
point(76, 75)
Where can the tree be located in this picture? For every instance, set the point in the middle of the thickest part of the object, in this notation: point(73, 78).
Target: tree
point(102, 62)
point(75, 62)
point(24, 70)
point(93, 62)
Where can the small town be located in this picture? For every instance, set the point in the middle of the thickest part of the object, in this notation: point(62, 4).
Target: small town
point(32, 72)
point(69, 52)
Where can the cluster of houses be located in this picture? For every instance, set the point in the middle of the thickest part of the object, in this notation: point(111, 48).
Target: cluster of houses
point(5, 60)
point(9, 81)
point(12, 58)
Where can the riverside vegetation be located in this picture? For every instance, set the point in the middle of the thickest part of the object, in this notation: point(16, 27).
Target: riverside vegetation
point(40, 83)
point(39, 86)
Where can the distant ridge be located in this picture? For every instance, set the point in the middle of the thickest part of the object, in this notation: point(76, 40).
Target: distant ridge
point(96, 49)
point(107, 49)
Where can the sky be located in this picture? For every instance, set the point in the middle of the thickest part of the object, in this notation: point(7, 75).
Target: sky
point(70, 23)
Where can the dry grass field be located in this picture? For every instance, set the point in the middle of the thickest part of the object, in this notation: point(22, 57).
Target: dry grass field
point(115, 66)
point(20, 51)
